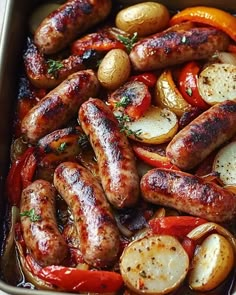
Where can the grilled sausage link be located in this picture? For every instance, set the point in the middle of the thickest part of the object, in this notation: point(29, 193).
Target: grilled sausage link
point(39, 226)
point(38, 69)
point(59, 105)
point(204, 134)
point(116, 162)
point(189, 194)
point(96, 228)
point(173, 47)
point(71, 19)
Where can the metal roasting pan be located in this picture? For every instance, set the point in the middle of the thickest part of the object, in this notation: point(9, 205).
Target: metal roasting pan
point(11, 45)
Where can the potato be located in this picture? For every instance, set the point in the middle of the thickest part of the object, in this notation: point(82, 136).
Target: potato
point(216, 83)
point(156, 126)
point(225, 164)
point(39, 14)
point(211, 263)
point(144, 18)
point(114, 69)
point(154, 264)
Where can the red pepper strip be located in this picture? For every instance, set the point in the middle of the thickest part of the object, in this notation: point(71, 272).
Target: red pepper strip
point(147, 78)
point(189, 246)
point(188, 81)
point(178, 226)
point(77, 280)
point(153, 159)
point(14, 178)
point(28, 169)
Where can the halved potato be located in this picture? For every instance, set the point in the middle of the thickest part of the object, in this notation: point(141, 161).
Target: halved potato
point(212, 263)
point(216, 83)
point(154, 265)
point(225, 164)
point(156, 126)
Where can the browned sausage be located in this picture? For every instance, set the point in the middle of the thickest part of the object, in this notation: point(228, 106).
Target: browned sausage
point(96, 228)
point(60, 105)
point(189, 194)
point(173, 47)
point(204, 134)
point(39, 226)
point(116, 162)
point(38, 69)
point(71, 19)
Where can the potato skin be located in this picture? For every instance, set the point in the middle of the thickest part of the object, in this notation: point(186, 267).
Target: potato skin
point(144, 18)
point(114, 69)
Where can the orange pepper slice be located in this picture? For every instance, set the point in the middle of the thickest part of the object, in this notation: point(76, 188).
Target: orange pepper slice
point(208, 15)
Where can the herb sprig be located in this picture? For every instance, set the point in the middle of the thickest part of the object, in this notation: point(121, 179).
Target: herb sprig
point(53, 67)
point(123, 119)
point(124, 102)
point(129, 42)
point(31, 214)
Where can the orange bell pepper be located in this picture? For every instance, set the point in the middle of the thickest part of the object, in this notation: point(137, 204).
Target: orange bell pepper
point(210, 16)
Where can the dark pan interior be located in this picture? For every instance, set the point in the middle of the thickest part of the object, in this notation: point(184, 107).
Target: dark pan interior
point(11, 46)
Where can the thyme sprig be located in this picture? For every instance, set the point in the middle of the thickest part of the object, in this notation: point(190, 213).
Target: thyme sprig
point(123, 119)
point(129, 42)
point(53, 67)
point(124, 102)
point(31, 214)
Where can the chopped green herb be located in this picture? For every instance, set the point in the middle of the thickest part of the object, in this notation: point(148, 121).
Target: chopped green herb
point(124, 102)
point(31, 214)
point(62, 147)
point(129, 42)
point(189, 91)
point(54, 66)
point(122, 119)
point(184, 39)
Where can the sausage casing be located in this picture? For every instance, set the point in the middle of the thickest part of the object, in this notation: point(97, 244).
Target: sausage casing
point(199, 138)
point(96, 227)
point(116, 162)
point(40, 231)
point(173, 47)
point(59, 105)
point(71, 19)
point(188, 193)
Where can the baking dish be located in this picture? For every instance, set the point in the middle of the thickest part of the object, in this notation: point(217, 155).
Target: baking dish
point(11, 46)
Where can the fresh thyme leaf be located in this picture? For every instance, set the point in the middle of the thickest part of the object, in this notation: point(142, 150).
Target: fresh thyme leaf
point(189, 91)
point(53, 67)
point(184, 39)
point(62, 147)
point(31, 214)
point(124, 102)
point(128, 42)
point(122, 119)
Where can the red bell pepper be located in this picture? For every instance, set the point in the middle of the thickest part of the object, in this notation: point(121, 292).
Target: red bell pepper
point(147, 78)
point(77, 280)
point(20, 173)
point(178, 226)
point(152, 158)
point(188, 81)
point(189, 246)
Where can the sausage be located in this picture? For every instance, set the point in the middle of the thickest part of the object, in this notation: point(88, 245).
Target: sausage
point(40, 231)
point(191, 145)
point(60, 105)
point(67, 22)
point(38, 69)
point(95, 225)
point(116, 162)
point(188, 193)
point(173, 47)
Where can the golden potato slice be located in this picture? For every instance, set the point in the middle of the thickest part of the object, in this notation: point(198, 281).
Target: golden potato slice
point(154, 265)
point(156, 126)
point(212, 263)
point(225, 164)
point(216, 83)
